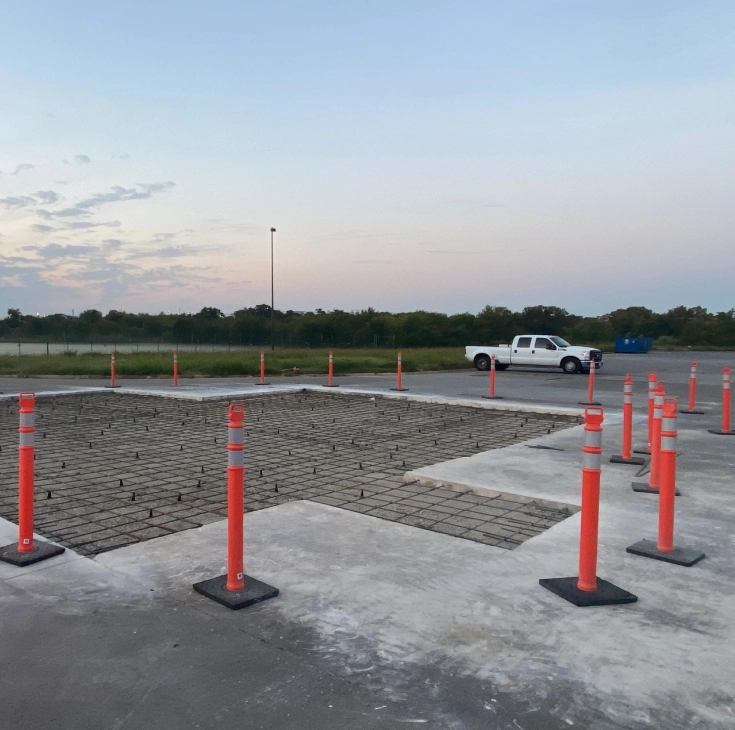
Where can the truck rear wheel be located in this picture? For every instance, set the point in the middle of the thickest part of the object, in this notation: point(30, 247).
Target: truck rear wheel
point(482, 362)
point(571, 365)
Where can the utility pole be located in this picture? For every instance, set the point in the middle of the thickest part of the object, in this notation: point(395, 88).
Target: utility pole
point(273, 327)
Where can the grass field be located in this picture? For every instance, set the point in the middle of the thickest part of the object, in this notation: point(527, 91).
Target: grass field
point(222, 364)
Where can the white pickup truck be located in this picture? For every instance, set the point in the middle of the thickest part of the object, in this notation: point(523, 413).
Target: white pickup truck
point(537, 350)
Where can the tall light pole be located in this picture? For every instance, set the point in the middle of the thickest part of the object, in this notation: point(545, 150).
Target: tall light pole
point(273, 328)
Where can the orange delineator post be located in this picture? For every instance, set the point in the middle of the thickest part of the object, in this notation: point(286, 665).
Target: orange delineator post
point(26, 551)
point(491, 395)
point(654, 478)
point(627, 456)
point(587, 589)
point(667, 488)
point(112, 372)
point(399, 374)
point(591, 387)
point(591, 469)
point(726, 406)
point(664, 549)
point(330, 376)
point(26, 457)
point(652, 380)
point(176, 368)
point(234, 589)
point(262, 369)
point(692, 391)
point(235, 497)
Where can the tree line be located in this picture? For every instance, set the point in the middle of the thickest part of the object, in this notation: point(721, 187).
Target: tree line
point(681, 326)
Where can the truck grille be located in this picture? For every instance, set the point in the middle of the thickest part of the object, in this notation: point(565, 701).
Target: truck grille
point(596, 355)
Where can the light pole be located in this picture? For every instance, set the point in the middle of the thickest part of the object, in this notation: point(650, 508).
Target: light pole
point(273, 330)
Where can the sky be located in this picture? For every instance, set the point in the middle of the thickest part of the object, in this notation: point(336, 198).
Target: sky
point(411, 154)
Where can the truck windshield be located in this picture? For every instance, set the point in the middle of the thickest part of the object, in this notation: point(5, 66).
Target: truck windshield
point(559, 342)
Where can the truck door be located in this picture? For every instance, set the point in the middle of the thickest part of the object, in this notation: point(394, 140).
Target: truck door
point(544, 352)
point(522, 351)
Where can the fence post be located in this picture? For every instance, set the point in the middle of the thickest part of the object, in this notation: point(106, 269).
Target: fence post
point(587, 589)
point(235, 589)
point(665, 549)
point(26, 551)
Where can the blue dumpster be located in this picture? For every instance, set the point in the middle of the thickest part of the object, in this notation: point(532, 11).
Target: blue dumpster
point(633, 344)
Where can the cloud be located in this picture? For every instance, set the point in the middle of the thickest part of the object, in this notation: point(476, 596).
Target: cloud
point(46, 196)
point(20, 201)
point(23, 166)
point(41, 228)
point(112, 244)
point(117, 194)
point(83, 225)
point(82, 159)
point(56, 250)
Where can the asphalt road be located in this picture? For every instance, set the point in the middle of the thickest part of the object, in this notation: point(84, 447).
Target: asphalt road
point(527, 385)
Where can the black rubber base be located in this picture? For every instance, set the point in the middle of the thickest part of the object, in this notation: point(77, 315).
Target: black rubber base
point(399, 389)
point(633, 461)
point(41, 551)
point(261, 383)
point(723, 433)
point(642, 451)
point(681, 556)
point(330, 386)
point(112, 386)
point(255, 592)
point(691, 413)
point(645, 489)
point(493, 397)
point(589, 403)
point(606, 594)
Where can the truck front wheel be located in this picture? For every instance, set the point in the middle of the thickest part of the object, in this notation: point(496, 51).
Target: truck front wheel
point(571, 365)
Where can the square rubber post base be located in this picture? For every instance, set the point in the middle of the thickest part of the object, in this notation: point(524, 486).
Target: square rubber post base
point(644, 488)
point(680, 556)
point(691, 413)
point(606, 594)
point(261, 383)
point(41, 551)
point(589, 403)
point(493, 397)
point(642, 451)
point(112, 386)
point(723, 433)
point(330, 386)
point(399, 390)
point(255, 591)
point(633, 461)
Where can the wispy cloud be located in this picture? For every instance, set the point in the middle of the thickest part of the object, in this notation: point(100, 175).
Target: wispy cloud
point(47, 197)
point(41, 228)
point(84, 225)
point(22, 167)
point(82, 159)
point(117, 194)
point(56, 250)
point(18, 201)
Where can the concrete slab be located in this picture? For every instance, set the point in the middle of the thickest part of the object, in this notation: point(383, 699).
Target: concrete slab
point(384, 596)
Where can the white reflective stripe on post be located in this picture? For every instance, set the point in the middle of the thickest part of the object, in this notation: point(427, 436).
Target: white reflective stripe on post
point(236, 457)
point(27, 420)
point(26, 439)
point(235, 435)
point(668, 443)
point(593, 439)
point(591, 461)
point(668, 424)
